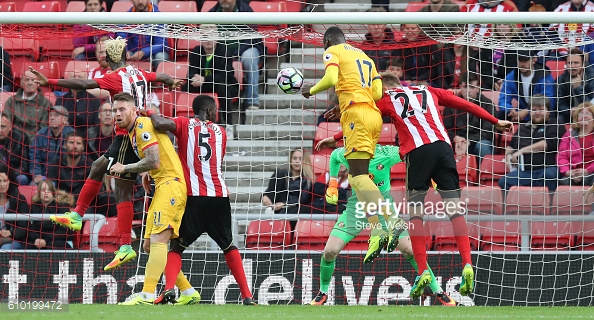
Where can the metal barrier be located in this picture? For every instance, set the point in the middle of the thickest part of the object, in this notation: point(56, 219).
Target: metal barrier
point(97, 222)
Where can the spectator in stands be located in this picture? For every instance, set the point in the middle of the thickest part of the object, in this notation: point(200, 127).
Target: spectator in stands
point(319, 203)
point(100, 137)
point(376, 39)
point(440, 30)
point(142, 47)
point(575, 86)
point(455, 62)
point(249, 51)
point(422, 62)
point(14, 150)
point(82, 106)
point(28, 108)
point(211, 70)
point(101, 55)
point(11, 201)
point(73, 167)
point(48, 143)
point(397, 68)
point(537, 33)
point(481, 31)
point(576, 34)
point(43, 234)
point(6, 80)
point(84, 47)
point(531, 153)
point(576, 149)
point(526, 81)
point(289, 190)
point(466, 131)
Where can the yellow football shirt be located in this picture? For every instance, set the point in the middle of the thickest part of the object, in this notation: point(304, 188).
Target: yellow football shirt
point(144, 135)
point(356, 72)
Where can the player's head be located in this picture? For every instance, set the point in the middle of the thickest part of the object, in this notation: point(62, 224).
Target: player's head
point(116, 51)
point(333, 36)
point(205, 108)
point(389, 80)
point(539, 108)
point(124, 108)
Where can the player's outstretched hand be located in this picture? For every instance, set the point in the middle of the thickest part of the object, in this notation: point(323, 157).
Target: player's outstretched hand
point(332, 114)
point(332, 192)
point(176, 84)
point(504, 125)
point(588, 192)
point(305, 90)
point(146, 182)
point(41, 79)
point(326, 143)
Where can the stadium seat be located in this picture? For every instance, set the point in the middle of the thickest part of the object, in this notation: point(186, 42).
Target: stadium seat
point(325, 130)
point(183, 48)
point(500, 235)
point(56, 48)
point(272, 44)
point(527, 200)
point(557, 67)
point(482, 199)
point(491, 95)
point(42, 6)
point(319, 162)
point(73, 67)
point(177, 6)
point(17, 47)
point(398, 174)
point(50, 69)
point(569, 200)
point(312, 235)
point(415, 6)
point(28, 192)
point(584, 232)
point(492, 168)
point(207, 5)
point(79, 6)
point(109, 237)
point(388, 134)
point(165, 97)
point(551, 235)
point(467, 169)
point(505, 138)
point(268, 234)
point(291, 6)
point(176, 70)
point(121, 6)
point(444, 237)
point(3, 97)
point(144, 65)
point(183, 103)
point(7, 7)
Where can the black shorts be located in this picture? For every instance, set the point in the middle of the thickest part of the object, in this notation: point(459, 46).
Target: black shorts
point(432, 161)
point(121, 151)
point(206, 214)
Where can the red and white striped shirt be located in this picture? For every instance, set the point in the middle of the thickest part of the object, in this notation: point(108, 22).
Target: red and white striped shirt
point(201, 149)
point(127, 79)
point(415, 114)
point(480, 31)
point(573, 33)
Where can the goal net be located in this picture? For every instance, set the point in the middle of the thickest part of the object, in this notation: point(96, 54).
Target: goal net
point(529, 228)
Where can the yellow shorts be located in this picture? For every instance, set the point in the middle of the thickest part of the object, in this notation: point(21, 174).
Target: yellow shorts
point(167, 208)
point(361, 127)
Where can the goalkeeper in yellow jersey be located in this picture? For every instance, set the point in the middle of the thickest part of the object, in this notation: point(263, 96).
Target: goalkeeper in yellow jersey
point(358, 85)
point(352, 221)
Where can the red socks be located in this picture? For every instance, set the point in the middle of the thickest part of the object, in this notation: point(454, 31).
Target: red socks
point(172, 269)
point(125, 217)
point(234, 263)
point(88, 192)
point(416, 231)
point(461, 235)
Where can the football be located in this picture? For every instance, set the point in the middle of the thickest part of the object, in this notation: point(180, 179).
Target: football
point(289, 80)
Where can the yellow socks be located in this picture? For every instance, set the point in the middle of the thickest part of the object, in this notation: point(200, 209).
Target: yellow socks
point(367, 192)
point(155, 266)
point(182, 283)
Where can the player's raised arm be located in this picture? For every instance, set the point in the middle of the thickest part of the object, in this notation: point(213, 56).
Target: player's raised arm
point(168, 80)
point(330, 79)
point(377, 89)
point(160, 123)
point(76, 84)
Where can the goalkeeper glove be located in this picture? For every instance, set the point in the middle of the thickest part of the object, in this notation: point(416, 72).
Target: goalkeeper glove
point(332, 192)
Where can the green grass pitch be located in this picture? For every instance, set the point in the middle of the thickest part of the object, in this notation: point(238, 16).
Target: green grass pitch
point(239, 312)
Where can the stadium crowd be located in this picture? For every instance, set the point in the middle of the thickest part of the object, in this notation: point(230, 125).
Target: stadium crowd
point(50, 146)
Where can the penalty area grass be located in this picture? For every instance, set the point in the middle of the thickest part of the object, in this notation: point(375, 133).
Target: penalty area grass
point(274, 312)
